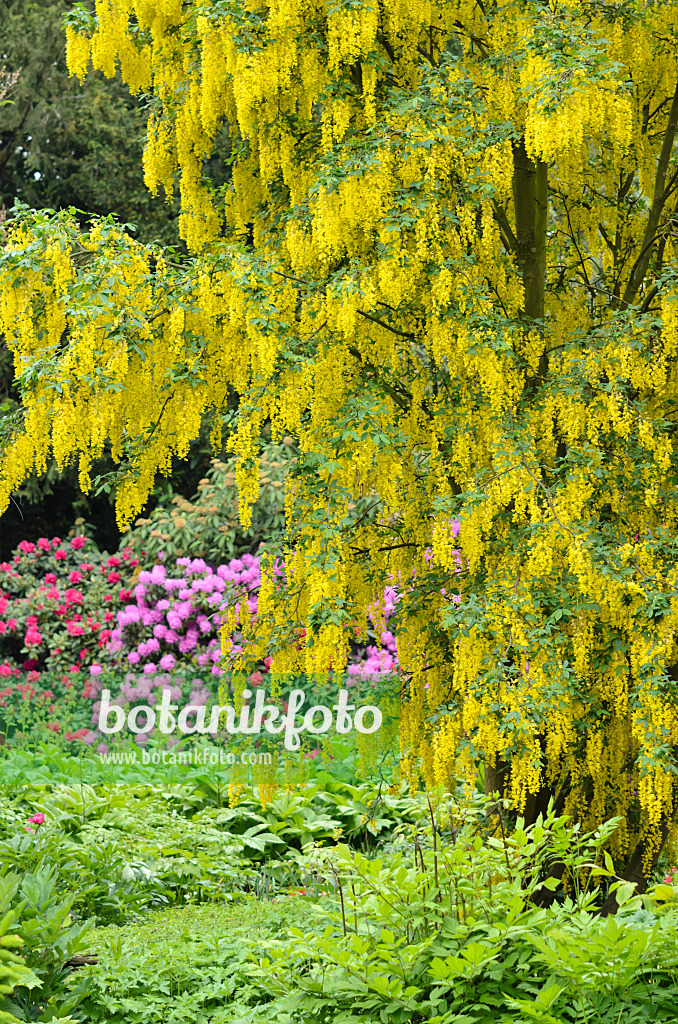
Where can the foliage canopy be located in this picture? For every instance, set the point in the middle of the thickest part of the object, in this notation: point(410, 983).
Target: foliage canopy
point(445, 264)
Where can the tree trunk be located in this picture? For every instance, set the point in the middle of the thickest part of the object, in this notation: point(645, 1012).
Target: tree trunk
point(633, 872)
point(495, 777)
point(530, 200)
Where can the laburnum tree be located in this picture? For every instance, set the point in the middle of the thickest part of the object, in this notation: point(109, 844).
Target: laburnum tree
point(444, 262)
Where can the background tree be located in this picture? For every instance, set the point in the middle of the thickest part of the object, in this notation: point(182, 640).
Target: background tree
point(67, 143)
point(445, 263)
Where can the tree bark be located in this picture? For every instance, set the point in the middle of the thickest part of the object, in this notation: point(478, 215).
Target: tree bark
point(633, 872)
point(495, 777)
point(530, 200)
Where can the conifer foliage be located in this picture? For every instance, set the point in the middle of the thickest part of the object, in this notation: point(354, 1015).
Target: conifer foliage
point(445, 264)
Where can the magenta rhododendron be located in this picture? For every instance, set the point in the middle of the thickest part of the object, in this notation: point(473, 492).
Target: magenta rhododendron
point(71, 614)
point(175, 617)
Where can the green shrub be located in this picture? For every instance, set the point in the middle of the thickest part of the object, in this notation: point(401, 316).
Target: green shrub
point(448, 929)
point(50, 938)
point(13, 969)
point(208, 525)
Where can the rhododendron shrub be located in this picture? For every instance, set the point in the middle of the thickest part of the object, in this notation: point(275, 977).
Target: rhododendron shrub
point(58, 601)
point(175, 617)
point(380, 659)
point(208, 526)
point(145, 689)
point(75, 622)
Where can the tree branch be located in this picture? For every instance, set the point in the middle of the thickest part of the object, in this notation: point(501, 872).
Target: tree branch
point(659, 198)
point(394, 330)
point(503, 222)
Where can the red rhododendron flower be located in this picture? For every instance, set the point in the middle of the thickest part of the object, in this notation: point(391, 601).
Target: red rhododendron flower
point(60, 555)
point(50, 577)
point(75, 576)
point(77, 543)
point(113, 560)
point(26, 547)
point(44, 544)
point(113, 577)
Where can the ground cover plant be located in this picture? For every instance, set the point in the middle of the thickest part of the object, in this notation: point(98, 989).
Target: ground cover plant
point(74, 855)
point(154, 901)
point(448, 927)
